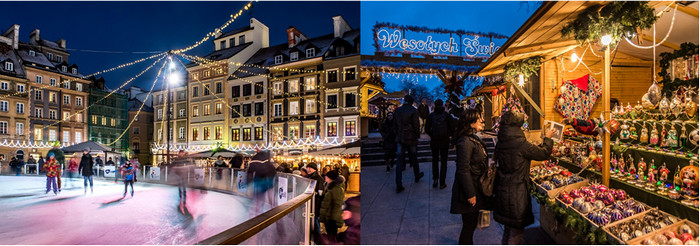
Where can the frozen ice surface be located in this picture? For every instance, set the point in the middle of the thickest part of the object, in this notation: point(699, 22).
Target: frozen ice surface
point(152, 216)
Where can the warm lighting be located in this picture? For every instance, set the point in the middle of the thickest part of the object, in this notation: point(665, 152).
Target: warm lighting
point(606, 40)
point(174, 78)
point(521, 80)
point(574, 57)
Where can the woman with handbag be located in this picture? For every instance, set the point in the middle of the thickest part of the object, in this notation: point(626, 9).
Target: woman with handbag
point(467, 197)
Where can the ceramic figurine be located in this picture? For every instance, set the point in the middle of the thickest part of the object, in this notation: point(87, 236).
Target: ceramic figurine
point(625, 131)
point(654, 137)
point(644, 136)
point(641, 169)
point(672, 138)
point(633, 133)
point(682, 140)
point(632, 170)
point(662, 137)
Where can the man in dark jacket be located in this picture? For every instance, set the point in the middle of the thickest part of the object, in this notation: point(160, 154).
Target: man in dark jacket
point(438, 128)
point(40, 168)
point(513, 207)
point(389, 140)
point(423, 112)
point(407, 134)
point(331, 213)
point(312, 169)
point(85, 169)
point(98, 165)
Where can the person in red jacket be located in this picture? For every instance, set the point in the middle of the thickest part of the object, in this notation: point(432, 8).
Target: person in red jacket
point(72, 170)
point(52, 170)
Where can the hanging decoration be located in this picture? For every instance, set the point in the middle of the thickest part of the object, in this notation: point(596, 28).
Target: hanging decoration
point(617, 19)
point(524, 67)
point(299, 143)
point(578, 96)
point(687, 59)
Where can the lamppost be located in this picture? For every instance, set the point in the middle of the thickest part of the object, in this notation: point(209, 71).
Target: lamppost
point(172, 79)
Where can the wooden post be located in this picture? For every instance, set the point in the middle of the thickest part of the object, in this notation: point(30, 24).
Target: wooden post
point(606, 116)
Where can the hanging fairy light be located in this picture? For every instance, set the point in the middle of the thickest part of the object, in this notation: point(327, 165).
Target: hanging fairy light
point(606, 39)
point(574, 57)
point(521, 80)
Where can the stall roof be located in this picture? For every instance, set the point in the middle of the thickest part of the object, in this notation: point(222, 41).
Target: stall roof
point(93, 146)
point(541, 35)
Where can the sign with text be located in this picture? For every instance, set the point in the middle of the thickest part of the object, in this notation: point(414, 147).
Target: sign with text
point(400, 39)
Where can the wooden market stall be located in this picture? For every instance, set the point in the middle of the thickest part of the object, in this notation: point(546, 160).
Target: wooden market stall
point(624, 71)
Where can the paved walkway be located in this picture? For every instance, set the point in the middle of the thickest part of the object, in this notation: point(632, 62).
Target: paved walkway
point(420, 214)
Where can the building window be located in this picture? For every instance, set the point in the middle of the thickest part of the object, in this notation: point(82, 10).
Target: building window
point(4, 86)
point(235, 134)
point(19, 129)
point(310, 106)
point(114, 122)
point(195, 91)
point(160, 99)
point(195, 111)
point(64, 69)
point(350, 128)
point(59, 59)
point(195, 134)
point(259, 88)
point(9, 66)
point(79, 117)
point(246, 110)
point(232, 42)
point(207, 109)
point(20, 88)
point(277, 134)
point(39, 78)
point(75, 71)
point(241, 39)
point(310, 52)
point(136, 147)
point(218, 133)
point(32, 53)
point(277, 88)
point(206, 90)
point(236, 91)
point(37, 133)
point(104, 121)
point(219, 108)
point(20, 108)
point(294, 108)
point(310, 83)
point(66, 116)
point(136, 118)
point(293, 85)
point(4, 106)
point(38, 113)
point(236, 111)
point(339, 51)
point(207, 133)
point(349, 100)
point(293, 132)
point(218, 87)
point(37, 95)
point(259, 108)
point(78, 137)
point(310, 131)
point(78, 87)
point(79, 101)
point(52, 135)
point(332, 102)
point(278, 109)
point(94, 120)
point(247, 90)
point(160, 114)
point(258, 133)
point(3, 127)
point(66, 99)
point(349, 73)
point(181, 135)
point(223, 44)
point(294, 56)
point(52, 97)
point(332, 76)
point(66, 136)
point(246, 134)
point(50, 56)
point(66, 84)
point(160, 134)
point(332, 129)
point(136, 130)
point(207, 73)
point(278, 59)
point(182, 112)
point(52, 114)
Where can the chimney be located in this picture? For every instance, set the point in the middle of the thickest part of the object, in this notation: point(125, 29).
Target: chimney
point(12, 34)
point(340, 26)
point(34, 37)
point(294, 36)
point(61, 43)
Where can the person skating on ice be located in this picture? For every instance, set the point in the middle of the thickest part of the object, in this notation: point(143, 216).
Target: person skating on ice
point(51, 167)
point(129, 178)
point(85, 169)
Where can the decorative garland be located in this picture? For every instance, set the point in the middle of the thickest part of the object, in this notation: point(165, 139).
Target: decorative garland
point(669, 86)
point(526, 67)
point(426, 66)
point(616, 19)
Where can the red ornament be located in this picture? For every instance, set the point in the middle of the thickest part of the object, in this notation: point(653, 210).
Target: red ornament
point(502, 88)
point(494, 92)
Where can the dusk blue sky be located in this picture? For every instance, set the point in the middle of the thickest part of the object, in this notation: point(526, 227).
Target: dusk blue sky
point(158, 26)
point(499, 17)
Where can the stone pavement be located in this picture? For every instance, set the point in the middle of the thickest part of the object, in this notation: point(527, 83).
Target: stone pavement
point(421, 214)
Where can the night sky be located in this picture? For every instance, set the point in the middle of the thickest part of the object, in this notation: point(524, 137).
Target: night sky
point(123, 28)
point(503, 17)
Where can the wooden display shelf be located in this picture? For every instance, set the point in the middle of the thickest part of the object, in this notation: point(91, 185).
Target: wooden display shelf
point(614, 238)
point(674, 228)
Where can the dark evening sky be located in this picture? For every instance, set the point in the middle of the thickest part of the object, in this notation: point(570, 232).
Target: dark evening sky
point(129, 27)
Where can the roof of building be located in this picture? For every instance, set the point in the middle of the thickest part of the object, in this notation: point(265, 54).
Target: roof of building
point(251, 67)
point(52, 45)
point(236, 31)
point(135, 104)
point(39, 60)
point(222, 54)
point(7, 54)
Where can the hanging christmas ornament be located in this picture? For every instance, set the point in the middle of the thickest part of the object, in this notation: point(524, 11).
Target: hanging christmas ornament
point(664, 106)
point(662, 137)
point(683, 139)
point(654, 138)
point(614, 126)
point(644, 136)
point(633, 133)
point(694, 137)
point(672, 138)
point(624, 131)
point(646, 103)
point(676, 106)
point(654, 93)
point(691, 107)
point(600, 126)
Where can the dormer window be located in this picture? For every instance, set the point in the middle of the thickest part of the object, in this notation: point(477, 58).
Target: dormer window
point(9, 66)
point(50, 56)
point(66, 85)
point(278, 59)
point(310, 52)
point(75, 71)
point(241, 40)
point(32, 53)
point(59, 58)
point(294, 56)
point(64, 69)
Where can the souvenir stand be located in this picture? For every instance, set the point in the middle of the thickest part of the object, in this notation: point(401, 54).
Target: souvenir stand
point(623, 172)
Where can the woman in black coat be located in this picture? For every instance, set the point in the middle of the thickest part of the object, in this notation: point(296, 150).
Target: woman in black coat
point(467, 198)
point(513, 207)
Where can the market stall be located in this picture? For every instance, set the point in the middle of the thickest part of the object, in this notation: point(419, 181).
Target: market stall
point(622, 77)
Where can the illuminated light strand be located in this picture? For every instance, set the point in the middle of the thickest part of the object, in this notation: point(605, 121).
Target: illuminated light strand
point(673, 20)
point(232, 18)
point(140, 108)
point(116, 52)
point(19, 144)
point(250, 147)
point(44, 86)
point(109, 94)
point(269, 68)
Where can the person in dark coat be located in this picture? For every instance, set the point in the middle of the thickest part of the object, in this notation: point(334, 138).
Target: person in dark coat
point(423, 112)
point(98, 165)
point(220, 164)
point(180, 167)
point(513, 207)
point(331, 213)
point(85, 169)
point(407, 134)
point(312, 170)
point(237, 161)
point(40, 167)
point(345, 171)
point(33, 166)
point(438, 128)
point(389, 141)
point(467, 198)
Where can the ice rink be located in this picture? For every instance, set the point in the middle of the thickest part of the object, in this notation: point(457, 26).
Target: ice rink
point(152, 216)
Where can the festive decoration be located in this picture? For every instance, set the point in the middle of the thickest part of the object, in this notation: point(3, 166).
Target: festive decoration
point(524, 67)
point(614, 21)
point(512, 103)
point(578, 96)
point(686, 51)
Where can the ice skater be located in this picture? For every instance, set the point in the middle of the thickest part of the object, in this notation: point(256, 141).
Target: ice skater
point(51, 167)
point(85, 169)
point(72, 170)
point(129, 178)
point(180, 168)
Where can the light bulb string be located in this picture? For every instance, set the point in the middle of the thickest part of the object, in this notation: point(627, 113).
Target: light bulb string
point(232, 18)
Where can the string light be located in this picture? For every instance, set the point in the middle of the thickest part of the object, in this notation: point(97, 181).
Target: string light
point(207, 61)
point(606, 39)
point(300, 143)
point(673, 20)
point(233, 17)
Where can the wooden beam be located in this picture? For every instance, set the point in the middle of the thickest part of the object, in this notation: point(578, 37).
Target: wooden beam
point(539, 47)
point(606, 116)
point(688, 10)
point(665, 43)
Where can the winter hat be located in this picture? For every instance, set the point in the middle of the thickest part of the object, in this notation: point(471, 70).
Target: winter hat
point(50, 155)
point(86, 149)
point(511, 118)
point(333, 174)
point(312, 165)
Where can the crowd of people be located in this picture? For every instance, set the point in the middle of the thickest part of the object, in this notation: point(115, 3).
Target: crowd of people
point(476, 187)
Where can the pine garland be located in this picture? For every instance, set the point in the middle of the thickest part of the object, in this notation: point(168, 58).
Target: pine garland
point(617, 19)
point(669, 86)
point(526, 67)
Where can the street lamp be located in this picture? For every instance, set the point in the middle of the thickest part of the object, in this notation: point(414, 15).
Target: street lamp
point(173, 78)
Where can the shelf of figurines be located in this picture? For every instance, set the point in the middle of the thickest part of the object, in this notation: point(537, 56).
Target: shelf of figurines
point(624, 219)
